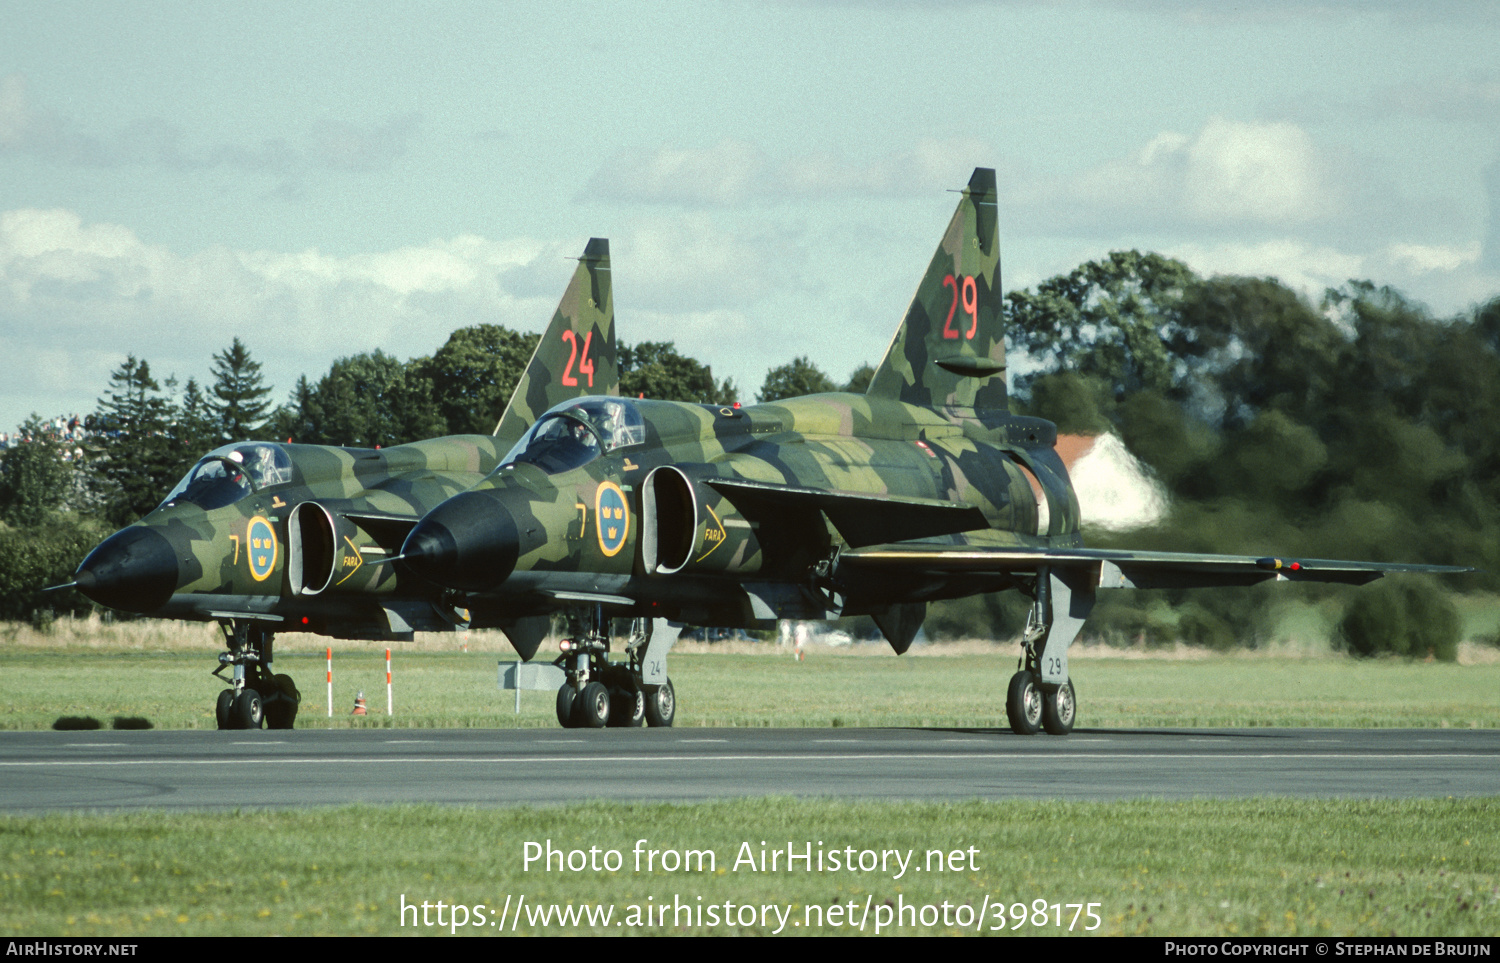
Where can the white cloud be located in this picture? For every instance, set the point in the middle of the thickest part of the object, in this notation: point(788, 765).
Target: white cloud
point(704, 335)
point(716, 176)
point(1447, 278)
point(1231, 175)
point(1261, 199)
point(1425, 258)
point(1255, 173)
point(1163, 147)
point(76, 298)
point(695, 263)
point(929, 165)
point(1298, 264)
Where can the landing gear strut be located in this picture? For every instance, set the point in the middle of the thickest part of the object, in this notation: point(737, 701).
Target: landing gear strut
point(257, 697)
point(600, 693)
point(1041, 695)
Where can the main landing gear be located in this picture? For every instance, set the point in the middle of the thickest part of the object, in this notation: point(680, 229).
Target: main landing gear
point(600, 693)
point(1041, 696)
point(1033, 707)
point(257, 698)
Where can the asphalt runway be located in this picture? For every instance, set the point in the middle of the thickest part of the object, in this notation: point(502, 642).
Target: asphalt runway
point(42, 771)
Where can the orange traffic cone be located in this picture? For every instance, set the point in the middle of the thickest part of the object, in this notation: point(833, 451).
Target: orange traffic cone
point(360, 709)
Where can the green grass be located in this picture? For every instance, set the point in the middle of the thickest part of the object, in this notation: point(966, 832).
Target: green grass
point(1269, 866)
point(1247, 867)
point(173, 689)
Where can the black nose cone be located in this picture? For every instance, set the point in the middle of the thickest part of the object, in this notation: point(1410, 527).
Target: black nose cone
point(134, 570)
point(469, 543)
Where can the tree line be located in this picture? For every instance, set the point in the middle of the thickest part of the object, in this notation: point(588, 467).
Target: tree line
point(147, 432)
point(1356, 426)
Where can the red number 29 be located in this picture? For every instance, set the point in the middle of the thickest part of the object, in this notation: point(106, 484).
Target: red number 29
point(585, 366)
point(968, 293)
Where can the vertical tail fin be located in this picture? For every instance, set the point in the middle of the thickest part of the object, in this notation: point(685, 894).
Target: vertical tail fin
point(950, 350)
point(576, 355)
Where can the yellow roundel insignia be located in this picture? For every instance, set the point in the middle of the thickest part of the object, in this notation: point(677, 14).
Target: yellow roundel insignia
point(260, 538)
point(613, 516)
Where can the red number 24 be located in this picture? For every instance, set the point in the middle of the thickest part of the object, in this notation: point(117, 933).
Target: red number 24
point(586, 365)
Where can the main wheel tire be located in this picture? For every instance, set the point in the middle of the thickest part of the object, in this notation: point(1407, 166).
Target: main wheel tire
point(593, 712)
point(1059, 709)
point(661, 705)
point(248, 711)
point(1023, 704)
point(627, 706)
point(281, 707)
point(566, 697)
point(223, 710)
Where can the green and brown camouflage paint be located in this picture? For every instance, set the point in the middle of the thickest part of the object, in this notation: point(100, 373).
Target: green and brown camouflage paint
point(345, 510)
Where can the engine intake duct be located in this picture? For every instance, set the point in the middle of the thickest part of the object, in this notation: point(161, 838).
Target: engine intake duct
point(326, 552)
point(687, 526)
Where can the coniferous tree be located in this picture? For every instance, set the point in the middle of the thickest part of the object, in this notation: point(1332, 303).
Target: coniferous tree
point(242, 399)
point(35, 478)
point(136, 462)
point(197, 428)
point(292, 421)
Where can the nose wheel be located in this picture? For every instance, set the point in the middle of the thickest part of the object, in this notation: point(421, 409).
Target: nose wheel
point(257, 697)
point(627, 705)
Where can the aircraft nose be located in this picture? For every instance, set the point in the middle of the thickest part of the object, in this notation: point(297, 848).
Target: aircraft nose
point(134, 570)
point(469, 542)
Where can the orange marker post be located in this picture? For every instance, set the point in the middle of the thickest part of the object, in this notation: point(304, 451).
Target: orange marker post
point(387, 681)
point(330, 682)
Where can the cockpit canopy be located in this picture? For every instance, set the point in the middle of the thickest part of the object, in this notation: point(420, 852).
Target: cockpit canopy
point(576, 432)
point(225, 475)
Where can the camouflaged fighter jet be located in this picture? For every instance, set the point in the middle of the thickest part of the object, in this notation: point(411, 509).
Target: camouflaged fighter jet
point(925, 487)
point(267, 538)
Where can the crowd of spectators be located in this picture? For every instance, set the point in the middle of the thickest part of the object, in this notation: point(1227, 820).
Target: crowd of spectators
point(68, 433)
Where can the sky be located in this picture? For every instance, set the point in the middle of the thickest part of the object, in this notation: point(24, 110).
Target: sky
point(331, 179)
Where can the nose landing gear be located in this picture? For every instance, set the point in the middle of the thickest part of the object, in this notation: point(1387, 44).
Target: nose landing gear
point(600, 693)
point(257, 697)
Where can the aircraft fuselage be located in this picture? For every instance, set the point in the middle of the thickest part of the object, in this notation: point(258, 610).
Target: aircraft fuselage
point(296, 551)
point(672, 524)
